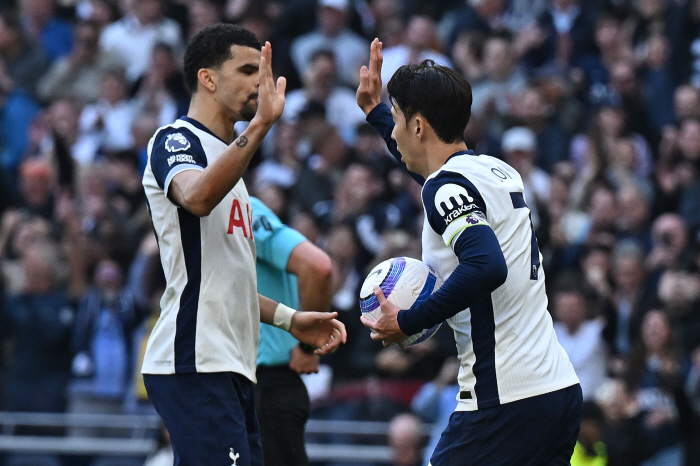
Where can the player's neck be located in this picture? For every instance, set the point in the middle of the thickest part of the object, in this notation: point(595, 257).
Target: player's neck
point(437, 154)
point(218, 122)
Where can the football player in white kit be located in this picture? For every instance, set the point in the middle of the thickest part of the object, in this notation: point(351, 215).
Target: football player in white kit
point(520, 399)
point(200, 360)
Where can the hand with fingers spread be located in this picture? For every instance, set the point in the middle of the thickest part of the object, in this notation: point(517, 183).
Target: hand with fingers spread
point(270, 95)
point(385, 329)
point(369, 93)
point(319, 329)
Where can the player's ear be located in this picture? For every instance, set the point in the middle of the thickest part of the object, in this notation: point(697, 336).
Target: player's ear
point(207, 78)
point(420, 126)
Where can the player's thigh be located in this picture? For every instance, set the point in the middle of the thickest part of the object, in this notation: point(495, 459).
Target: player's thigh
point(525, 432)
point(210, 418)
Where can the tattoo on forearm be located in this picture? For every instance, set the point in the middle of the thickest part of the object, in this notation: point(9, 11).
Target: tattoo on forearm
point(242, 141)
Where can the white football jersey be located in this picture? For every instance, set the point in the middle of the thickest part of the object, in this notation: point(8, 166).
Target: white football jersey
point(210, 315)
point(506, 342)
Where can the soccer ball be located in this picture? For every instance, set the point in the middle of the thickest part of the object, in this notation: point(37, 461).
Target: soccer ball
point(404, 281)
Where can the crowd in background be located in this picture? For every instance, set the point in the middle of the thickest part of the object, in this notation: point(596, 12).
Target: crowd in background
point(596, 103)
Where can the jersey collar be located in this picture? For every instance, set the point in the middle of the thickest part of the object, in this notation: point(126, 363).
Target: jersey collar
point(198, 125)
point(462, 152)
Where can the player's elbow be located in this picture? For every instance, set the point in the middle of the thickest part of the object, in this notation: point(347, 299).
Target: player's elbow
point(200, 209)
point(498, 272)
point(323, 269)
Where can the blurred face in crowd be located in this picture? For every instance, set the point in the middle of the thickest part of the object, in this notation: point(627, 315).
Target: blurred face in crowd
point(420, 33)
point(273, 197)
point(39, 10)
point(570, 309)
point(532, 105)
point(670, 233)
point(320, 77)
point(628, 273)
point(9, 38)
point(623, 78)
point(686, 101)
point(623, 155)
point(659, 49)
point(341, 244)
point(30, 232)
point(633, 209)
point(108, 278)
point(358, 186)
point(602, 208)
point(331, 20)
point(332, 148)
point(689, 139)
point(64, 116)
point(404, 439)
point(36, 182)
point(86, 41)
point(113, 88)
point(607, 34)
point(498, 58)
point(39, 269)
point(656, 331)
point(611, 120)
point(148, 11)
point(201, 14)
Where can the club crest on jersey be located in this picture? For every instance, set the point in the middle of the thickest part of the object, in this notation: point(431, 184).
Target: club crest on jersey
point(176, 142)
point(452, 201)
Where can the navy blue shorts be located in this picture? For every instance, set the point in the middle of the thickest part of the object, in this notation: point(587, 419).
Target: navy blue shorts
point(210, 417)
point(541, 430)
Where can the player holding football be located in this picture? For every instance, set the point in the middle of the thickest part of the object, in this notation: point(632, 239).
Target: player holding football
point(520, 399)
point(200, 361)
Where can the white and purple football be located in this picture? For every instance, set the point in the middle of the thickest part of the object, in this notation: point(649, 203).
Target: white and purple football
point(404, 282)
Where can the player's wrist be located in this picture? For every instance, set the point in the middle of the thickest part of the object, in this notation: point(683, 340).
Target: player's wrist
point(367, 108)
point(306, 348)
point(283, 317)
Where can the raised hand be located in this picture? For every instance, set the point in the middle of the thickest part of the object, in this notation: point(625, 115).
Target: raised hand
point(369, 92)
point(270, 96)
point(385, 329)
point(319, 329)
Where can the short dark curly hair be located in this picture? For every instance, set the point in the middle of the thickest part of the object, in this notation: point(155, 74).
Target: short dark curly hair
point(211, 47)
point(437, 92)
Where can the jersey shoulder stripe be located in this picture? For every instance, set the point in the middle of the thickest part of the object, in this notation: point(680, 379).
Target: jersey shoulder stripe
point(175, 149)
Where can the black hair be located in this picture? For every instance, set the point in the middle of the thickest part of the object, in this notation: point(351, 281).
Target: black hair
point(211, 47)
point(440, 94)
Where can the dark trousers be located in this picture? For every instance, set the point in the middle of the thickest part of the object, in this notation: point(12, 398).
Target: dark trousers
point(282, 404)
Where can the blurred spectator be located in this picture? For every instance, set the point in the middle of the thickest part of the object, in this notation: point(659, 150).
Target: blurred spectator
point(419, 44)
point(568, 31)
point(78, 75)
point(624, 82)
point(630, 297)
point(520, 151)
point(109, 119)
point(679, 293)
point(634, 212)
point(580, 337)
point(590, 449)
point(323, 169)
point(669, 236)
point(657, 85)
point(283, 166)
point(321, 85)
point(677, 171)
point(39, 321)
point(356, 202)
point(484, 16)
point(493, 96)
point(658, 371)
point(43, 27)
point(626, 440)
point(161, 90)
point(405, 440)
point(132, 38)
point(102, 344)
point(686, 102)
point(36, 183)
point(468, 53)
point(20, 59)
point(532, 110)
point(332, 33)
point(202, 13)
point(436, 401)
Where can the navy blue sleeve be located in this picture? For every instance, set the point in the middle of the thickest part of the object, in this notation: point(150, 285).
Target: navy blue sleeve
point(175, 150)
point(457, 212)
point(380, 118)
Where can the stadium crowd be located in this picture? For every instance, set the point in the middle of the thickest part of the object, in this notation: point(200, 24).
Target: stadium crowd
point(596, 103)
